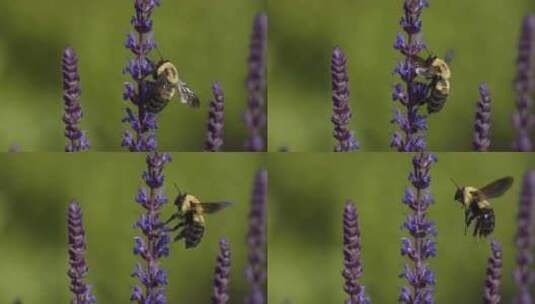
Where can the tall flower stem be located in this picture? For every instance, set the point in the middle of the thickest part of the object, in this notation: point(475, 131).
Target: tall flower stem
point(482, 124)
point(78, 267)
point(341, 115)
point(222, 274)
point(256, 271)
point(214, 133)
point(421, 244)
point(410, 96)
point(141, 43)
point(154, 244)
point(524, 275)
point(523, 119)
point(352, 265)
point(255, 115)
point(491, 290)
point(76, 138)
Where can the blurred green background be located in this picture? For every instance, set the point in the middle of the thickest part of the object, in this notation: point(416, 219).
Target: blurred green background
point(207, 39)
point(303, 32)
point(307, 193)
point(36, 188)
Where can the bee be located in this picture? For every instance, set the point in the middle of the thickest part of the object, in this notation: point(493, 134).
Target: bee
point(190, 213)
point(167, 84)
point(438, 71)
point(476, 204)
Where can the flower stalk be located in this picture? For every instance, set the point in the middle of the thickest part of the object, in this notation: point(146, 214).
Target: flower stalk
point(412, 94)
point(140, 43)
point(214, 133)
point(154, 242)
point(81, 291)
point(76, 138)
point(341, 116)
point(221, 285)
point(256, 271)
point(421, 245)
point(482, 123)
point(255, 115)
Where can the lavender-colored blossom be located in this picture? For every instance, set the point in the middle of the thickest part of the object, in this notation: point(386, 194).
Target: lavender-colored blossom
point(214, 134)
point(412, 95)
point(421, 244)
point(154, 244)
point(256, 271)
point(482, 122)
point(255, 115)
point(81, 291)
point(341, 115)
point(523, 119)
point(222, 274)
point(523, 274)
point(491, 290)
point(140, 42)
point(352, 265)
point(76, 138)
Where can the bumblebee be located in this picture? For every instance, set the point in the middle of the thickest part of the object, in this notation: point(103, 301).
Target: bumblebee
point(190, 214)
point(167, 84)
point(438, 71)
point(476, 205)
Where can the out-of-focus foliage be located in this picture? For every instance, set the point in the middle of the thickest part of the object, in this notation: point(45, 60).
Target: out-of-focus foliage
point(207, 39)
point(36, 188)
point(306, 200)
point(302, 34)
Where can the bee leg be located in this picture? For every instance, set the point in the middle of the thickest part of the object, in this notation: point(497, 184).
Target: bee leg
point(477, 228)
point(468, 218)
point(178, 226)
point(172, 218)
point(179, 236)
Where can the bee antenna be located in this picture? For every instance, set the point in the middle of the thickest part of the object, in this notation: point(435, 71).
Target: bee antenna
point(159, 53)
point(177, 188)
point(453, 181)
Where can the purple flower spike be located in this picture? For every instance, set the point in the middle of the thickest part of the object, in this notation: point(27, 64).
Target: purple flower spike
point(78, 268)
point(352, 265)
point(154, 244)
point(222, 274)
point(140, 43)
point(341, 116)
point(76, 138)
point(421, 245)
point(491, 291)
point(482, 122)
point(255, 115)
point(214, 134)
point(524, 274)
point(413, 94)
point(256, 271)
point(523, 119)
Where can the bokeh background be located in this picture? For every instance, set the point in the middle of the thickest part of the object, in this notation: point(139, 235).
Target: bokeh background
point(303, 32)
point(207, 39)
point(34, 193)
point(307, 193)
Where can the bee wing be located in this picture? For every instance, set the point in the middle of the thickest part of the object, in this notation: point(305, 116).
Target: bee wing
point(187, 95)
point(498, 187)
point(211, 207)
point(448, 58)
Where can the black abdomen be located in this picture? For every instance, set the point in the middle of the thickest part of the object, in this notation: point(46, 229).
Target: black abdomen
point(193, 234)
point(487, 222)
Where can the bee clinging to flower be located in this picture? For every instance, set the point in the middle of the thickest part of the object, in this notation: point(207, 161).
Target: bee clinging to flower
point(437, 70)
point(166, 85)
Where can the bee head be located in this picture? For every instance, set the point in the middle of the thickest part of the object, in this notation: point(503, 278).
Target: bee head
point(459, 195)
point(180, 198)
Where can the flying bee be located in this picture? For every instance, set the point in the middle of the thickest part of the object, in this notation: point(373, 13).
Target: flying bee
point(190, 213)
point(166, 85)
point(477, 206)
point(438, 71)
